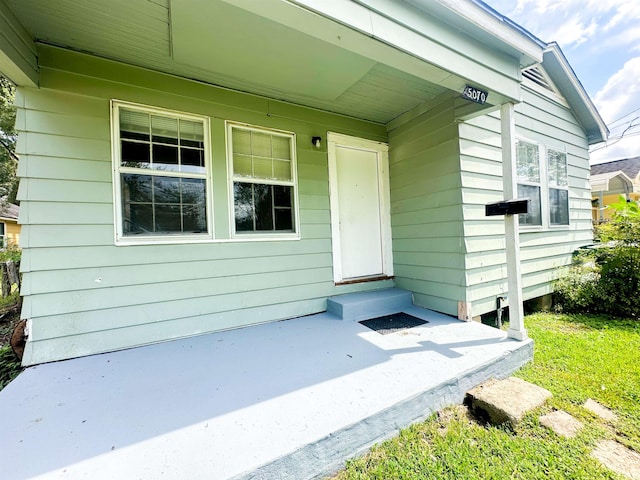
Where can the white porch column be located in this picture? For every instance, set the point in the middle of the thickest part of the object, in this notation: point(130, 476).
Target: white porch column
point(510, 180)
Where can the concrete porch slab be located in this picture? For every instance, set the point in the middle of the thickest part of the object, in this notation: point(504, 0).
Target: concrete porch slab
point(286, 400)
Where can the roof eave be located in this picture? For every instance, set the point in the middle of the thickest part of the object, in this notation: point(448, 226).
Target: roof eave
point(486, 23)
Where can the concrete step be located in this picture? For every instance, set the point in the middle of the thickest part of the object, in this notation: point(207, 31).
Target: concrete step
point(365, 305)
point(505, 401)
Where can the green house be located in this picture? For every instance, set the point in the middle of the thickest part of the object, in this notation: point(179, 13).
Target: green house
point(193, 166)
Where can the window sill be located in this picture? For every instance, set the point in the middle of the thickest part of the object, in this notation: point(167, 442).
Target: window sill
point(539, 228)
point(263, 237)
point(128, 242)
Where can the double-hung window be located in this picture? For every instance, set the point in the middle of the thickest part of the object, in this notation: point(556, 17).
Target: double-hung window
point(528, 168)
point(542, 177)
point(161, 174)
point(263, 188)
point(558, 187)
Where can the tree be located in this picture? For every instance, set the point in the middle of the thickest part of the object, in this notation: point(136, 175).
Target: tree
point(8, 137)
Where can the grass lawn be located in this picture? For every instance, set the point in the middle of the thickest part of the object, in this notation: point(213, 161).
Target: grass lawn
point(576, 357)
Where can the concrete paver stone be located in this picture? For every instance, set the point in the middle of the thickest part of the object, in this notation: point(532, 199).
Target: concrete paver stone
point(618, 458)
point(600, 410)
point(562, 423)
point(505, 401)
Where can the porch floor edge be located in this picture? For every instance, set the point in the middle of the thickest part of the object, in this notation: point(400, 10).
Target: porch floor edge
point(329, 455)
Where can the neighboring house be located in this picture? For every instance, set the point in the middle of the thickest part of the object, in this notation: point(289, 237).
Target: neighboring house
point(609, 180)
point(9, 227)
point(193, 166)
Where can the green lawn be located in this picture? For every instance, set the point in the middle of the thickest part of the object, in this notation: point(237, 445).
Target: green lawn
point(576, 357)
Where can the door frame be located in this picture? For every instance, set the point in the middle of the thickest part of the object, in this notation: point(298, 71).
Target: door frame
point(382, 151)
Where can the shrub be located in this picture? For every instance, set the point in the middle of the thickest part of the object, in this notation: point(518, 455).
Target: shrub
point(577, 289)
point(12, 252)
point(9, 366)
point(606, 279)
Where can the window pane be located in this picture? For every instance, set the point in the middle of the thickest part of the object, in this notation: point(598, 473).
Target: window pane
point(134, 124)
point(134, 154)
point(191, 134)
point(167, 219)
point(282, 196)
point(242, 165)
point(137, 218)
point(557, 162)
point(192, 160)
point(194, 218)
point(193, 191)
point(262, 168)
point(534, 216)
point(261, 144)
point(243, 206)
point(164, 129)
point(281, 147)
point(136, 188)
point(284, 219)
point(241, 141)
point(165, 157)
point(558, 207)
point(282, 169)
point(166, 190)
point(527, 162)
point(263, 206)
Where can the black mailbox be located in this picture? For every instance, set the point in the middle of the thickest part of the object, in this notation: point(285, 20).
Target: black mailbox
point(508, 207)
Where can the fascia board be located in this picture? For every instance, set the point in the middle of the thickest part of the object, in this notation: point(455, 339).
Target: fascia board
point(480, 20)
point(563, 76)
point(18, 52)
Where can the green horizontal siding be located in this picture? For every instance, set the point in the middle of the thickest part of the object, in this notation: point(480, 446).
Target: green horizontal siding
point(543, 120)
point(425, 208)
point(83, 294)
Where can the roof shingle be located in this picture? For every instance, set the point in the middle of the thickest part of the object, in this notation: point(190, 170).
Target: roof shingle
point(630, 166)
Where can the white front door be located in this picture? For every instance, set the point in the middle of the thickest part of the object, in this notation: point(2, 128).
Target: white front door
point(360, 222)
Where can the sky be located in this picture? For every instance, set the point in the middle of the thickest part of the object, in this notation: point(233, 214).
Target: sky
point(601, 40)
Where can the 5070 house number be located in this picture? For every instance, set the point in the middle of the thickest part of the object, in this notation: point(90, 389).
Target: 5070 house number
point(474, 94)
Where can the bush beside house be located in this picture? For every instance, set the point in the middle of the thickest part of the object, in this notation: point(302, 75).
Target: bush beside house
point(606, 279)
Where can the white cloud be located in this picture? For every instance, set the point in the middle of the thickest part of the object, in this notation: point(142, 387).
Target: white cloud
point(621, 90)
point(618, 105)
point(575, 31)
point(574, 22)
point(625, 148)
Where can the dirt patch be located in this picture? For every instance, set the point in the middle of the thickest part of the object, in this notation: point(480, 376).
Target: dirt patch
point(9, 318)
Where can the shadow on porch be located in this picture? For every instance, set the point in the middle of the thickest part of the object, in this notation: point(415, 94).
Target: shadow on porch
point(291, 399)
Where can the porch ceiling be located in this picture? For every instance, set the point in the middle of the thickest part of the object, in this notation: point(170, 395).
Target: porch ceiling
point(230, 46)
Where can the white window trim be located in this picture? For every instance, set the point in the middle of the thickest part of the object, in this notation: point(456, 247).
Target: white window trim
point(565, 188)
point(120, 238)
point(544, 188)
point(266, 235)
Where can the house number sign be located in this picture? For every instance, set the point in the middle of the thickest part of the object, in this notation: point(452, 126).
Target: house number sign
point(474, 94)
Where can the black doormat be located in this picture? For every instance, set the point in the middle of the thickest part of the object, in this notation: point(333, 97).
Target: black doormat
point(393, 323)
